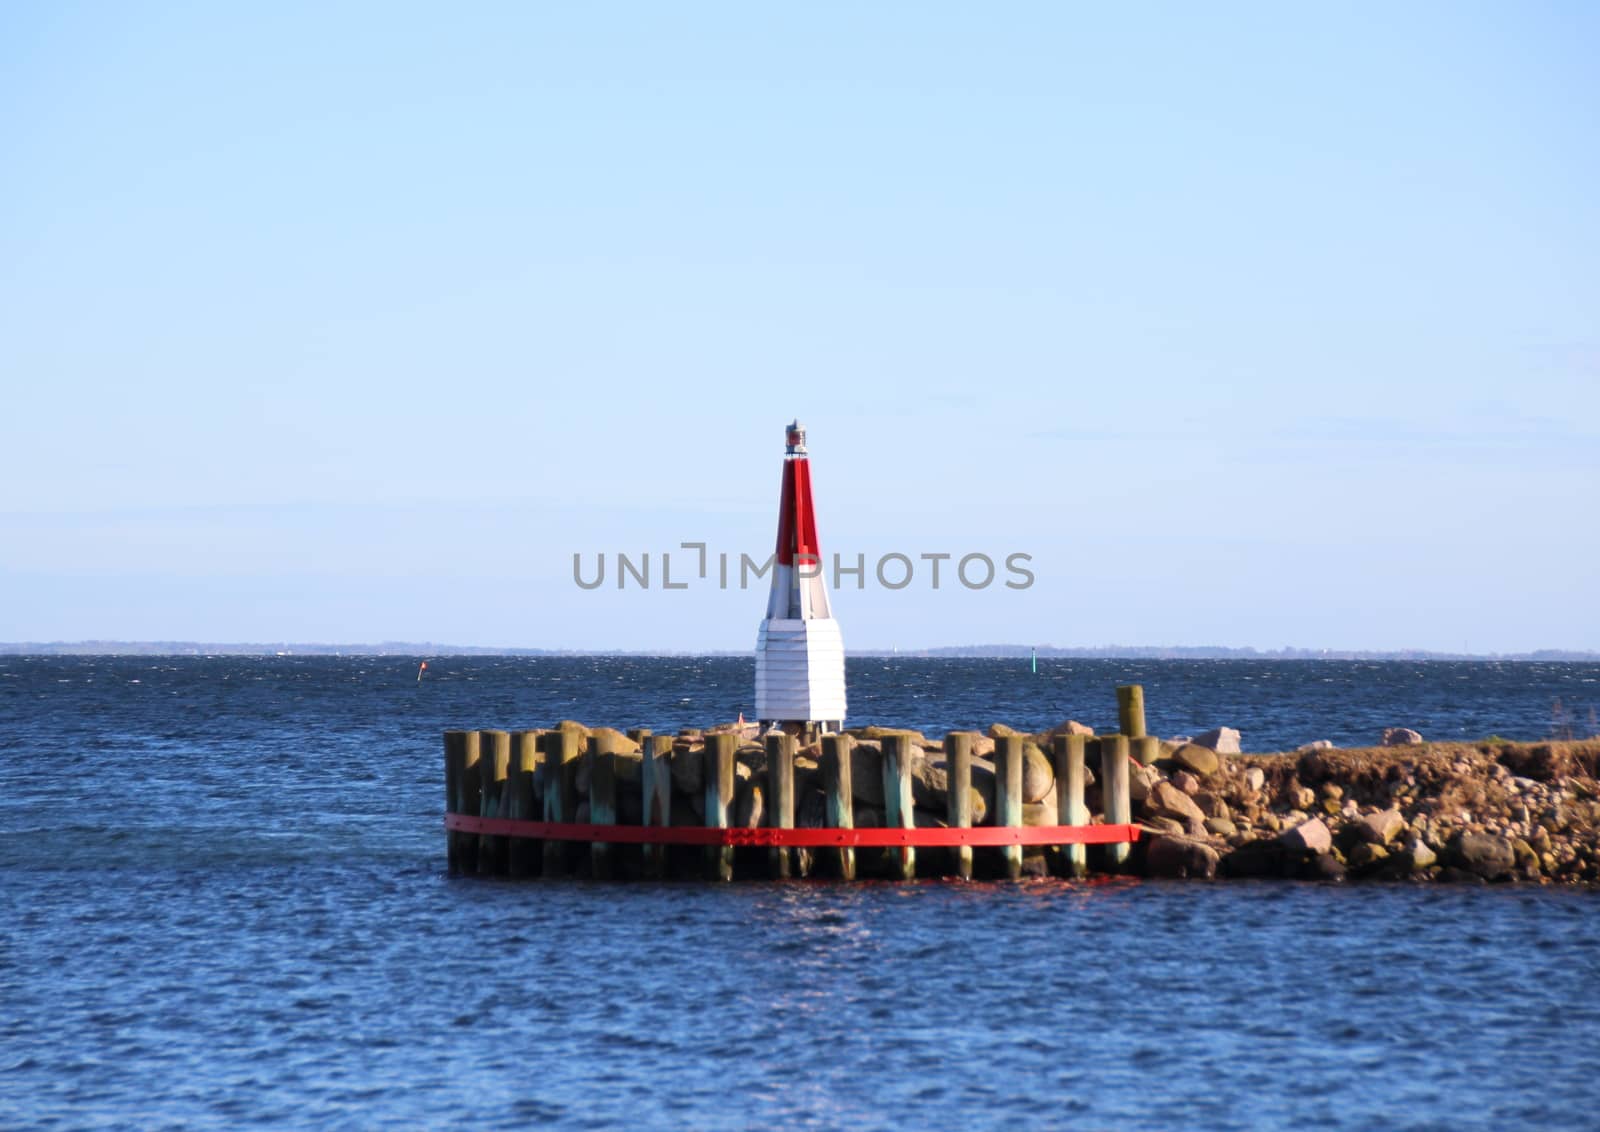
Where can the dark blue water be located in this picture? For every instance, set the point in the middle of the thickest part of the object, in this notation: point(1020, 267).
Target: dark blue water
point(222, 903)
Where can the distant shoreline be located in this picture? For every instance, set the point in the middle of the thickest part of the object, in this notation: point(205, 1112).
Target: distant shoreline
point(982, 652)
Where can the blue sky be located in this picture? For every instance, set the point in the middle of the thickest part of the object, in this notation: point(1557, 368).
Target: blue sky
point(1252, 324)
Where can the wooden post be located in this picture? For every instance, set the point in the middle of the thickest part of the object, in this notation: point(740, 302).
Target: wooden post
point(655, 777)
point(522, 855)
point(780, 791)
point(897, 800)
point(469, 788)
point(455, 757)
point(841, 801)
point(1008, 797)
point(958, 792)
point(1068, 751)
point(1130, 710)
point(602, 758)
point(1114, 791)
point(719, 800)
point(494, 765)
point(561, 754)
point(1145, 750)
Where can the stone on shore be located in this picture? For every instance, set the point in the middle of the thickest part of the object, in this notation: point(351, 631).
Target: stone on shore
point(1401, 737)
point(1166, 800)
point(1310, 836)
point(1038, 777)
point(1380, 828)
point(1314, 745)
point(1070, 727)
point(1255, 778)
point(1197, 759)
point(1172, 856)
point(1224, 740)
point(1480, 854)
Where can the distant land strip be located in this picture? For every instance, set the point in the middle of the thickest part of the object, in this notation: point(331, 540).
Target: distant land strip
point(995, 652)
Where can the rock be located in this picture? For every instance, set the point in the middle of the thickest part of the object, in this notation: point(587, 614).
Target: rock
point(982, 745)
point(1380, 828)
point(927, 819)
point(1400, 737)
point(1166, 800)
point(1262, 858)
point(1039, 813)
point(1001, 731)
point(1169, 856)
point(1366, 854)
point(1166, 825)
point(1070, 727)
point(1140, 779)
point(1314, 745)
point(1255, 778)
point(1310, 836)
point(1211, 805)
point(1198, 759)
point(1186, 782)
point(1221, 739)
point(1323, 867)
point(1481, 854)
point(1222, 827)
point(619, 742)
point(1038, 777)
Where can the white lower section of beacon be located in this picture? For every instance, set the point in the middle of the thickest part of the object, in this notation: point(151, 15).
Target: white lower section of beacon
point(800, 671)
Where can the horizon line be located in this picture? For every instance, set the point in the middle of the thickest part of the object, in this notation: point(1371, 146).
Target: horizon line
point(103, 647)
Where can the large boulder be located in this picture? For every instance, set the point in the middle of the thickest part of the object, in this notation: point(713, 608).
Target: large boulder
point(1314, 745)
point(1166, 800)
point(1070, 727)
point(1038, 777)
point(1002, 731)
point(1140, 780)
point(1400, 737)
point(1202, 761)
point(1310, 836)
point(1224, 740)
point(1380, 828)
point(1480, 854)
point(1169, 856)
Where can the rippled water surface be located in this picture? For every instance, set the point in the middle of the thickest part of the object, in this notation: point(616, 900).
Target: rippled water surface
point(222, 904)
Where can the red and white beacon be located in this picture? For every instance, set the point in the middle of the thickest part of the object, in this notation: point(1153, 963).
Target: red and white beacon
point(799, 652)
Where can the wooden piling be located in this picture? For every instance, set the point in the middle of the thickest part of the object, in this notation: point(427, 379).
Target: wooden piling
point(561, 753)
point(780, 796)
point(455, 757)
point(655, 776)
point(1145, 750)
point(958, 775)
point(1130, 710)
point(1114, 791)
point(522, 855)
point(720, 750)
point(602, 758)
point(841, 801)
point(469, 788)
point(1068, 752)
point(1008, 798)
point(897, 800)
point(494, 764)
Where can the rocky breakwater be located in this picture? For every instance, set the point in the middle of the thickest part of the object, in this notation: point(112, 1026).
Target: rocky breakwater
point(1407, 811)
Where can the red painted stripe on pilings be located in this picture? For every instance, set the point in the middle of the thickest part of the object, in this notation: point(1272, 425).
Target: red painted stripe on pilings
point(796, 838)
